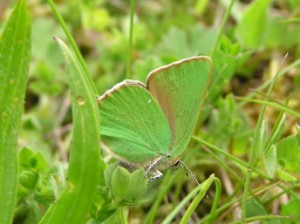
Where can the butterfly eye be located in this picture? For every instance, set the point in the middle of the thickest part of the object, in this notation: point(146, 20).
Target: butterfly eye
point(177, 164)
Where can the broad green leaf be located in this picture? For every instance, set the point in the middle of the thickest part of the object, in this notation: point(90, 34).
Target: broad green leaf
point(227, 59)
point(196, 41)
point(84, 164)
point(252, 28)
point(288, 154)
point(226, 121)
point(291, 209)
point(281, 34)
point(256, 208)
point(14, 66)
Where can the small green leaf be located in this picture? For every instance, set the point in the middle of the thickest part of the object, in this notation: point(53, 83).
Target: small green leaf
point(28, 179)
point(288, 154)
point(252, 28)
point(120, 182)
point(270, 161)
point(31, 159)
point(255, 208)
point(109, 172)
point(291, 209)
point(137, 185)
point(128, 187)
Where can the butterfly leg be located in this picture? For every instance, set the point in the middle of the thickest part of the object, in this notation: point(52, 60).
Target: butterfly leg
point(155, 175)
point(151, 173)
point(153, 163)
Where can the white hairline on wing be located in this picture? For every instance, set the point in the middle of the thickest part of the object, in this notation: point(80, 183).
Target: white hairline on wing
point(145, 164)
point(176, 63)
point(116, 87)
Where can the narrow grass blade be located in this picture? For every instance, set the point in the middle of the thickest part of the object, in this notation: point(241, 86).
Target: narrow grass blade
point(84, 164)
point(257, 143)
point(200, 191)
point(275, 105)
point(73, 45)
point(14, 66)
point(129, 60)
point(224, 21)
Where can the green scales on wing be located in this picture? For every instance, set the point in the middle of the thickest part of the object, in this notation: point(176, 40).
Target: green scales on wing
point(144, 124)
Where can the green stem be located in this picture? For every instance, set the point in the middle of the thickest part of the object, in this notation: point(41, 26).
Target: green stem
point(122, 215)
point(267, 83)
point(165, 187)
point(73, 44)
point(202, 188)
point(218, 150)
point(232, 203)
point(224, 21)
point(129, 62)
point(263, 217)
point(256, 147)
point(216, 200)
point(276, 105)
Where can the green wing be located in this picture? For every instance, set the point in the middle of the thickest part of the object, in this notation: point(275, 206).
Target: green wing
point(180, 90)
point(133, 126)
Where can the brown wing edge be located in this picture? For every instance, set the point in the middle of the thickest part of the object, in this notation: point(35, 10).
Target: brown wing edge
point(180, 62)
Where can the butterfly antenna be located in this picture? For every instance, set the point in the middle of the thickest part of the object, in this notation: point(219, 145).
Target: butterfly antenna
point(189, 171)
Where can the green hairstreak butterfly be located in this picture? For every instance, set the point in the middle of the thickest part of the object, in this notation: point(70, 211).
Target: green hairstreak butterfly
point(150, 125)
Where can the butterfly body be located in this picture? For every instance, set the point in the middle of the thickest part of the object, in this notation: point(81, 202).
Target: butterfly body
point(150, 125)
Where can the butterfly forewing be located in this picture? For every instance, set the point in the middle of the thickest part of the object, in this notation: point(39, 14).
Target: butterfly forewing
point(180, 89)
point(133, 126)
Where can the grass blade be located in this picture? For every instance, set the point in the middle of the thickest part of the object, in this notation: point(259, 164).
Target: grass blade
point(14, 65)
point(200, 191)
point(73, 45)
point(84, 164)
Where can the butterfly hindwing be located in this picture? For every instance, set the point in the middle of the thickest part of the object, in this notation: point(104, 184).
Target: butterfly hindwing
point(133, 126)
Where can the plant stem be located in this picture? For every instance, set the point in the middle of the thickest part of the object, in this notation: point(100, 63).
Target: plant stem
point(256, 148)
point(129, 62)
point(216, 149)
point(122, 215)
point(224, 21)
point(73, 44)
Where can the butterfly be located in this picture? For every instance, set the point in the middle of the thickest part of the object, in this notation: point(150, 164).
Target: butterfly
point(149, 125)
